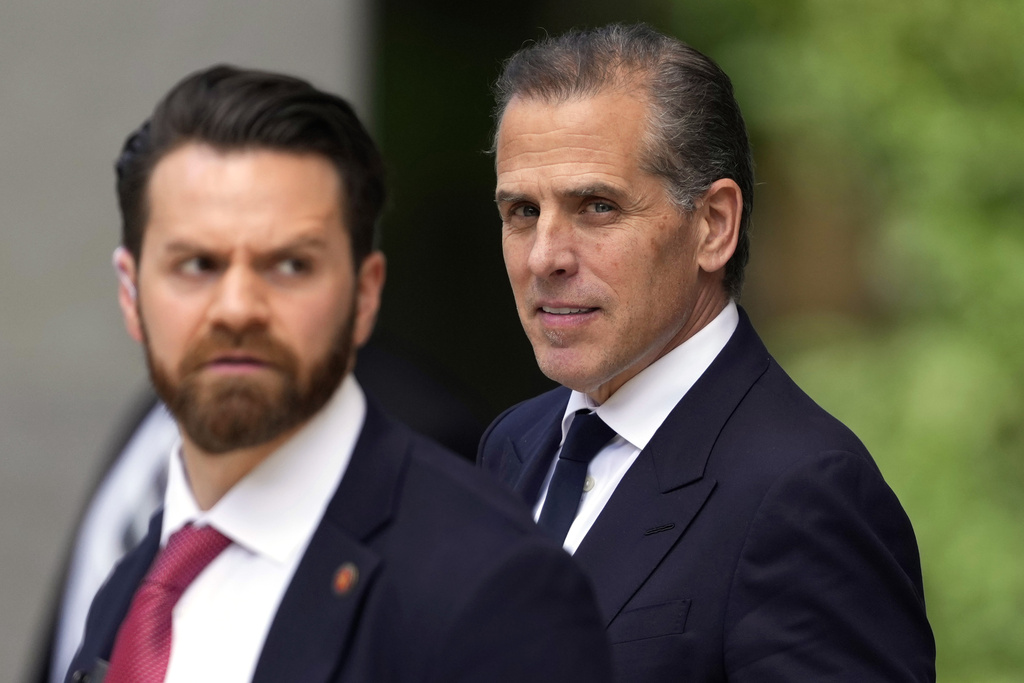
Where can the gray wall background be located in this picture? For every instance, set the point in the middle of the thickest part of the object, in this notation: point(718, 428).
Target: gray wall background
point(75, 78)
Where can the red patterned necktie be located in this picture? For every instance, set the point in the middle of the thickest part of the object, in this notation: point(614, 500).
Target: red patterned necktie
point(143, 644)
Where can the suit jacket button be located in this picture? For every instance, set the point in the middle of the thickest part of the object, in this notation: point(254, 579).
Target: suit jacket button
point(80, 677)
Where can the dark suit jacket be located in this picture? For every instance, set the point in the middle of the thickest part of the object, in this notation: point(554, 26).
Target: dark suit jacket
point(415, 397)
point(454, 583)
point(753, 539)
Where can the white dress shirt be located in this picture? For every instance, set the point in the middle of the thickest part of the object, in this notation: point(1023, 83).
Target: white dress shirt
point(222, 620)
point(635, 412)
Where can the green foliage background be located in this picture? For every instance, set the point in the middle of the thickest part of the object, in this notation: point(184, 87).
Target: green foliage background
point(919, 105)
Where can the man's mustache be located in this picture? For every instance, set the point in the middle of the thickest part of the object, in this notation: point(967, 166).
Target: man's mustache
point(254, 344)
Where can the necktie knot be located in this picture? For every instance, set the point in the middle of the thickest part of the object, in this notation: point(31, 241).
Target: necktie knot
point(587, 435)
point(186, 554)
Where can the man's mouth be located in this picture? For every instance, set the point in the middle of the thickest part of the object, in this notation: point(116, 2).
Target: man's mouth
point(239, 362)
point(565, 311)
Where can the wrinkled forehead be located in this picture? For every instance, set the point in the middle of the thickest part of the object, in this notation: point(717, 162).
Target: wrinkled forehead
point(605, 129)
point(625, 101)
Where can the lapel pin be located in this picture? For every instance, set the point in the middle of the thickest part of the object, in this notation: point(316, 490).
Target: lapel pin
point(346, 578)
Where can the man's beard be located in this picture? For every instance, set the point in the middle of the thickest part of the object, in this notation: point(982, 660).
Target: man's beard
point(228, 413)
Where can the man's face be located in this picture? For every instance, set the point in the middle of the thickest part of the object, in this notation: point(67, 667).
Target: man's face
point(248, 303)
point(606, 271)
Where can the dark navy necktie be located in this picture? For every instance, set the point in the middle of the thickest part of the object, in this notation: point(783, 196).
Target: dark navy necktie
point(587, 435)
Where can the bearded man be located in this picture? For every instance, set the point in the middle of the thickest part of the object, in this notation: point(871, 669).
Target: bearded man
point(305, 535)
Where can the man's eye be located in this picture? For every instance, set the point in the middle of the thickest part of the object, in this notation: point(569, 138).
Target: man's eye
point(600, 207)
point(292, 266)
point(197, 265)
point(525, 211)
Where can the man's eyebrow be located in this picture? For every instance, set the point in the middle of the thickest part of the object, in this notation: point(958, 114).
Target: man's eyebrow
point(506, 197)
point(583, 191)
point(183, 246)
point(302, 242)
point(299, 243)
point(593, 190)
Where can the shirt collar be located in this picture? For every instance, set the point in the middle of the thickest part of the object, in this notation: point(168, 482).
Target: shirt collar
point(641, 405)
point(274, 510)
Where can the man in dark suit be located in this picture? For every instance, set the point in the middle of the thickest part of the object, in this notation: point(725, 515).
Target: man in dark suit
point(305, 536)
point(734, 531)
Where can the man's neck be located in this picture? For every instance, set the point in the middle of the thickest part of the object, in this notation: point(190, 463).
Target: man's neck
point(211, 475)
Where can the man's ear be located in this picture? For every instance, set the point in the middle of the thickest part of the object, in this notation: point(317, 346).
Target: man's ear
point(720, 211)
point(369, 286)
point(127, 291)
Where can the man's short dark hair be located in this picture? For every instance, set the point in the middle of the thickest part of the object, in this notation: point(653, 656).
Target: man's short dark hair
point(695, 133)
point(234, 109)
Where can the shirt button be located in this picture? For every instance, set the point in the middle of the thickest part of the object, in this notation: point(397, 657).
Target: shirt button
point(588, 483)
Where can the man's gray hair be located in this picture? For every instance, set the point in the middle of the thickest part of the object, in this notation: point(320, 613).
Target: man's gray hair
point(695, 134)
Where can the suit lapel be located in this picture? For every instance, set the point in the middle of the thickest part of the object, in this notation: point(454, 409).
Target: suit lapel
point(525, 462)
point(637, 527)
point(319, 614)
point(665, 488)
point(315, 623)
point(110, 606)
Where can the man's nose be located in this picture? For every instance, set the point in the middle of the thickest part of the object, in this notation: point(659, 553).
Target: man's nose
point(240, 299)
point(554, 249)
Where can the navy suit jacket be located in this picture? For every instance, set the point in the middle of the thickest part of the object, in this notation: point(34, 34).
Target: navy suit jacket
point(753, 539)
point(454, 583)
point(415, 397)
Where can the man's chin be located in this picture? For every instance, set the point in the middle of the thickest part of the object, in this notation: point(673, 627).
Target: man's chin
point(237, 420)
point(566, 368)
point(229, 414)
